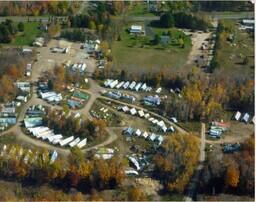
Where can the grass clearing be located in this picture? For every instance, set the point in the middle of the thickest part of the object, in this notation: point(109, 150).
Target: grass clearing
point(231, 55)
point(137, 55)
point(27, 37)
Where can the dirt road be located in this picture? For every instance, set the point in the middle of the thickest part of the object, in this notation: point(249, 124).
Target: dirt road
point(197, 41)
point(191, 190)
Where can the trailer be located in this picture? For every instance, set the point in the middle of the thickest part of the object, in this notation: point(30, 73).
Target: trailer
point(66, 141)
point(132, 85)
point(126, 84)
point(108, 82)
point(113, 84)
point(47, 136)
point(54, 137)
point(82, 143)
point(137, 87)
point(75, 142)
point(56, 141)
point(143, 87)
point(120, 85)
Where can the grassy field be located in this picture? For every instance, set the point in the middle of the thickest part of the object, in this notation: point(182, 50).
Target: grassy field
point(27, 37)
point(139, 9)
point(230, 56)
point(137, 55)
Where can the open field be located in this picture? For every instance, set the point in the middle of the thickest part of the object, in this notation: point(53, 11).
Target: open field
point(231, 55)
point(31, 31)
point(137, 55)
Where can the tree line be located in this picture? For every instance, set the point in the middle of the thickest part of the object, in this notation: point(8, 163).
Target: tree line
point(182, 20)
point(176, 161)
point(8, 30)
point(233, 174)
point(27, 8)
point(78, 173)
point(68, 126)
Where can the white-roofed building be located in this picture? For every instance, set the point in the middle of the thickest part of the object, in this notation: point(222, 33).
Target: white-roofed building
point(145, 135)
point(138, 132)
point(125, 108)
point(141, 113)
point(136, 29)
point(237, 115)
point(133, 111)
point(246, 117)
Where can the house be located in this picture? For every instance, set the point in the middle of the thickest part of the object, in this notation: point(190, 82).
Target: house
point(246, 118)
point(237, 116)
point(136, 29)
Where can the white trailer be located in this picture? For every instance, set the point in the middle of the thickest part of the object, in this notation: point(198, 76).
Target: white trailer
point(132, 85)
point(126, 84)
point(56, 141)
point(120, 85)
point(66, 141)
point(113, 84)
point(107, 82)
point(82, 143)
point(47, 94)
point(137, 87)
point(54, 137)
point(40, 134)
point(143, 87)
point(75, 142)
point(48, 135)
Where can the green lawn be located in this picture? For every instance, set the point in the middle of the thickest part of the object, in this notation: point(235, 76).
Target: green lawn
point(230, 56)
point(27, 37)
point(137, 55)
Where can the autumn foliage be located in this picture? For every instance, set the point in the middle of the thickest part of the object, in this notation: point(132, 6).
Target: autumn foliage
point(176, 160)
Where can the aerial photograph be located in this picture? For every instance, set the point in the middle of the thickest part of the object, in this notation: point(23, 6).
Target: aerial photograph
point(127, 100)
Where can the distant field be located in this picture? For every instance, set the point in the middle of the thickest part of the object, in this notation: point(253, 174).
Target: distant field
point(27, 37)
point(139, 9)
point(230, 57)
point(138, 56)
